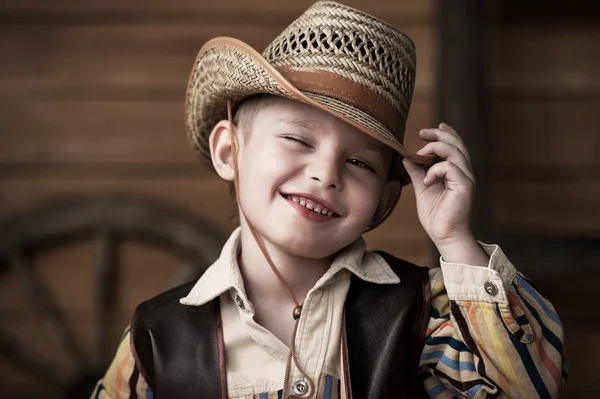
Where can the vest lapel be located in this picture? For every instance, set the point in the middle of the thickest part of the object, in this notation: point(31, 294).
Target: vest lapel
point(385, 330)
point(179, 349)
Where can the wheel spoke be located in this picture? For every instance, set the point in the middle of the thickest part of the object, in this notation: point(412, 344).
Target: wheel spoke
point(46, 309)
point(19, 357)
point(106, 268)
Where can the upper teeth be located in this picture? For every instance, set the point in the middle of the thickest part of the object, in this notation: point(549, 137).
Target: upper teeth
point(312, 205)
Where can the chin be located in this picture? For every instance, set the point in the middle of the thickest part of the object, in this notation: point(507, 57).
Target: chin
point(311, 250)
point(308, 245)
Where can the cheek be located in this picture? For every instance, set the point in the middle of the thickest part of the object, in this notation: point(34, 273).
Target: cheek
point(365, 197)
point(267, 167)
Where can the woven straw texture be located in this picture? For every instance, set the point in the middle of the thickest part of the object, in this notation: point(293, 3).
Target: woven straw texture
point(328, 36)
point(335, 38)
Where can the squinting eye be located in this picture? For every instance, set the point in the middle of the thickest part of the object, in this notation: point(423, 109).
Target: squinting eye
point(297, 140)
point(359, 163)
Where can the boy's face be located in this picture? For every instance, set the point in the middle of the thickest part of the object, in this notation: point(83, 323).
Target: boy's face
point(297, 157)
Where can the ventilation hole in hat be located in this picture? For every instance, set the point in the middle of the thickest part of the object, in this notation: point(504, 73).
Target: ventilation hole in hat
point(390, 70)
point(371, 51)
point(358, 42)
point(345, 40)
point(324, 41)
point(303, 41)
point(335, 40)
point(390, 67)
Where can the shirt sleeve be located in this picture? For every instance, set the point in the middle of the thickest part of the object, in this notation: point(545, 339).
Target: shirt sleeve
point(123, 379)
point(491, 334)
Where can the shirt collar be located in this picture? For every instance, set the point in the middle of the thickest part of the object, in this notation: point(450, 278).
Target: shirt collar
point(224, 274)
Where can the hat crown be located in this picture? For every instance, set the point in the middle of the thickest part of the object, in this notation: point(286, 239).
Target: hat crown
point(357, 46)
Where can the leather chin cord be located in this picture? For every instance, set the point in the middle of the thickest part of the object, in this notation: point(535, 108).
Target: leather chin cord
point(298, 308)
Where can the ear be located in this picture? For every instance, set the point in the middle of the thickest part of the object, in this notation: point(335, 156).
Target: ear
point(388, 200)
point(220, 150)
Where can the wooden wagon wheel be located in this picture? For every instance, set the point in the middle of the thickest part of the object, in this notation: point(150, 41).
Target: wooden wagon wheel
point(108, 220)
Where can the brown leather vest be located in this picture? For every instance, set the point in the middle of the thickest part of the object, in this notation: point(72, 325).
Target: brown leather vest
point(179, 348)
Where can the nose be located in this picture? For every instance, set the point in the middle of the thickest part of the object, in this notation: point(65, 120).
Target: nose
point(326, 171)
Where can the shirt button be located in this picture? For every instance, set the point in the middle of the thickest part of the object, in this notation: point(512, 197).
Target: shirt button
point(490, 288)
point(300, 387)
point(240, 302)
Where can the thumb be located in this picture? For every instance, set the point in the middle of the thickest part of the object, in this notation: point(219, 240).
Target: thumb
point(416, 172)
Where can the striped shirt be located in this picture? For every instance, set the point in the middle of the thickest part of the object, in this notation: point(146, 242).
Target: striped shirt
point(490, 333)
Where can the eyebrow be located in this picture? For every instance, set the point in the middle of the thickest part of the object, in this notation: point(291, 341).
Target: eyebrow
point(305, 124)
point(298, 122)
point(374, 149)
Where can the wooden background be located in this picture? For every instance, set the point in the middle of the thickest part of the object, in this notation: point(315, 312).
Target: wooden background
point(91, 101)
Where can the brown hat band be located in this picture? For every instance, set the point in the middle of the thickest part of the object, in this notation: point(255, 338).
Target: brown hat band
point(330, 84)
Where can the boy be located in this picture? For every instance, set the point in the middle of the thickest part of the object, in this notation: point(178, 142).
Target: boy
point(295, 307)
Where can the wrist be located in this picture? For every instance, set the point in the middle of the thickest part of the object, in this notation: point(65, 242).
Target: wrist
point(463, 250)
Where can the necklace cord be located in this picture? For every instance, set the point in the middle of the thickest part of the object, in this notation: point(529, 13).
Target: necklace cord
point(298, 307)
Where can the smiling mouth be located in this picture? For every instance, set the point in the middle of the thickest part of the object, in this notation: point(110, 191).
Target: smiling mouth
point(310, 205)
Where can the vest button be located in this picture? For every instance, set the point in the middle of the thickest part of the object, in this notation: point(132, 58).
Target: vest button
point(240, 302)
point(300, 387)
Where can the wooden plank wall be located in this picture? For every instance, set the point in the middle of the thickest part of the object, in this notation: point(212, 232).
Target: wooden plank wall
point(545, 99)
point(91, 101)
point(543, 67)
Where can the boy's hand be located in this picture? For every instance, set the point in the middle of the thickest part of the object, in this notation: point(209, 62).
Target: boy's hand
point(445, 195)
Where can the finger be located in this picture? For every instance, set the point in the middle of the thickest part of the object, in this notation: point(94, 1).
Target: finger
point(448, 128)
point(453, 177)
point(461, 144)
point(416, 173)
point(446, 137)
point(435, 134)
point(451, 153)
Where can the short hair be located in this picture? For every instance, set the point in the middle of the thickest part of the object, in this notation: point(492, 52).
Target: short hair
point(248, 108)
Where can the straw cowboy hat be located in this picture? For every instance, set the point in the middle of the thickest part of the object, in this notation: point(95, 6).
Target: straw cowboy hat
point(333, 57)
